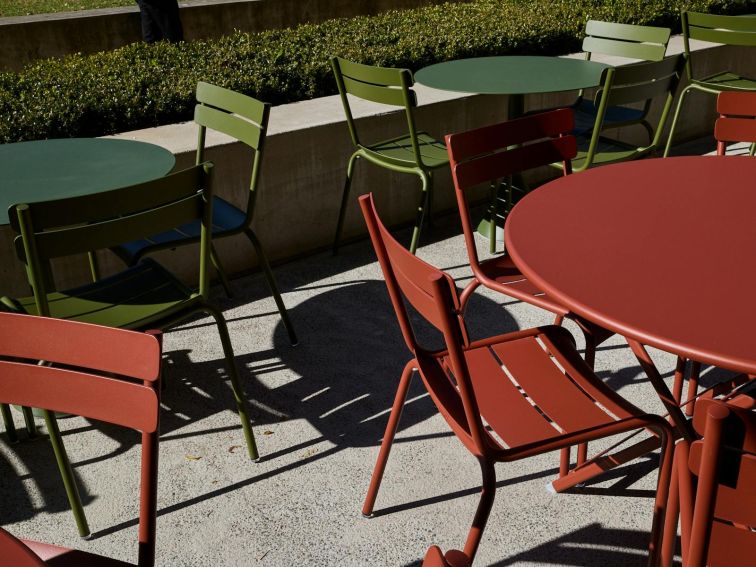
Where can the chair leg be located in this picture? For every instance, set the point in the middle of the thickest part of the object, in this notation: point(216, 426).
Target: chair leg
point(674, 121)
point(487, 495)
point(677, 384)
point(752, 151)
point(270, 278)
point(695, 374)
point(94, 265)
point(239, 397)
point(669, 538)
point(344, 202)
point(10, 427)
point(666, 436)
point(215, 259)
point(66, 473)
point(388, 439)
point(422, 207)
point(31, 427)
point(590, 360)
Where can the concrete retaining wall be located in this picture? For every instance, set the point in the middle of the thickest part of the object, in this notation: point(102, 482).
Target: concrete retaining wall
point(303, 171)
point(26, 39)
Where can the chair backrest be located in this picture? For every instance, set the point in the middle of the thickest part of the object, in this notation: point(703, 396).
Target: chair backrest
point(640, 82)
point(64, 227)
point(490, 153)
point(433, 296)
point(647, 43)
point(737, 118)
point(729, 30)
point(97, 372)
point(383, 85)
point(236, 115)
point(720, 529)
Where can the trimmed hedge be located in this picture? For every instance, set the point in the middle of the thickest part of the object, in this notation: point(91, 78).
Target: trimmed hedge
point(142, 85)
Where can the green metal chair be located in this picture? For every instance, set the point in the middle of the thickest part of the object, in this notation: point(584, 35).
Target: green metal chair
point(621, 86)
point(144, 296)
point(645, 43)
point(246, 119)
point(416, 152)
point(729, 30)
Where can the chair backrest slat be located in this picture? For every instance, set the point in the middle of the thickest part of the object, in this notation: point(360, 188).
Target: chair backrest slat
point(67, 241)
point(374, 93)
point(730, 30)
point(624, 93)
point(113, 204)
point(626, 40)
point(84, 345)
point(737, 120)
point(229, 124)
point(118, 402)
point(386, 76)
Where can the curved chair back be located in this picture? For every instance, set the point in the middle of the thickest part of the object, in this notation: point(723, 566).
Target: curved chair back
point(97, 372)
point(236, 115)
point(737, 119)
point(641, 82)
point(383, 85)
point(76, 225)
point(492, 153)
point(433, 295)
point(728, 30)
point(646, 43)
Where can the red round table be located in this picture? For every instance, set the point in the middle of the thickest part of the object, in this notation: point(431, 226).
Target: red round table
point(660, 251)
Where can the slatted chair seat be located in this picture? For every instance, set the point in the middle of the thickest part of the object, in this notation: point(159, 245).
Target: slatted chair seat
point(131, 299)
point(727, 81)
point(227, 219)
point(400, 151)
point(586, 112)
point(607, 151)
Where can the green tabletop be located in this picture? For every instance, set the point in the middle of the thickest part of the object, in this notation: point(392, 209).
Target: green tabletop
point(512, 75)
point(53, 169)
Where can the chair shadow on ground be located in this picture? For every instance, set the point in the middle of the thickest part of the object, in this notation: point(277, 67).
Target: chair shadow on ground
point(591, 546)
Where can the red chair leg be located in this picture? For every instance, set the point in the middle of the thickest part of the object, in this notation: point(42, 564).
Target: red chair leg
point(677, 385)
point(695, 373)
point(667, 438)
point(487, 495)
point(669, 540)
point(388, 438)
point(564, 462)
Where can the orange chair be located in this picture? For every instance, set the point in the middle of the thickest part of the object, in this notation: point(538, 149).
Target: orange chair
point(713, 488)
point(530, 387)
point(102, 373)
point(737, 120)
point(500, 151)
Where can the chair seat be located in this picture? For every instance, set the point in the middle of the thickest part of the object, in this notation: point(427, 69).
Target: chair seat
point(55, 556)
point(501, 271)
point(726, 81)
point(227, 219)
point(398, 151)
point(522, 393)
point(131, 299)
point(586, 111)
point(608, 151)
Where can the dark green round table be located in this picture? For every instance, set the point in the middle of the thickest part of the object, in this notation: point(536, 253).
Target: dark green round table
point(54, 169)
point(514, 75)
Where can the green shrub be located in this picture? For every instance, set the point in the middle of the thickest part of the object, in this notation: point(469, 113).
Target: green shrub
point(143, 85)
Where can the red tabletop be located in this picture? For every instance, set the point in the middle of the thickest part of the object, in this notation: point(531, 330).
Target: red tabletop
point(662, 251)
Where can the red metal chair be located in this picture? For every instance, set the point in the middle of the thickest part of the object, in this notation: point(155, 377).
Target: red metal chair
point(531, 387)
point(712, 488)
point(499, 151)
point(102, 373)
point(737, 120)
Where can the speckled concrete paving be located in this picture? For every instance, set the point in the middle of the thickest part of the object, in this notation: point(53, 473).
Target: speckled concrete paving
point(319, 412)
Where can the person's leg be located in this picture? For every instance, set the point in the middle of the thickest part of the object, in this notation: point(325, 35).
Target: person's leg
point(151, 32)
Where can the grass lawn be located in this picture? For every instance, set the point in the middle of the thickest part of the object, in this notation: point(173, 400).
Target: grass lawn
point(28, 7)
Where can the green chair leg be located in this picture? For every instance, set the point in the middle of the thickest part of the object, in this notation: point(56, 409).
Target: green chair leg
point(270, 278)
point(31, 427)
point(753, 150)
point(422, 207)
point(674, 121)
point(69, 482)
point(10, 427)
point(344, 202)
point(94, 265)
point(241, 400)
point(215, 259)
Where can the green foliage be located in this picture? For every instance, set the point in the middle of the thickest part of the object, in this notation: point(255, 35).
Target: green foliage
point(142, 85)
